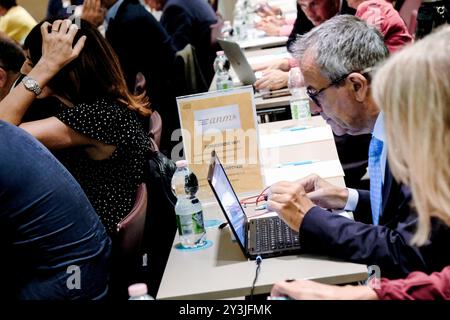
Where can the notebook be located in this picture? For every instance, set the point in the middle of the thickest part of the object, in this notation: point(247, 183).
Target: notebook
point(265, 237)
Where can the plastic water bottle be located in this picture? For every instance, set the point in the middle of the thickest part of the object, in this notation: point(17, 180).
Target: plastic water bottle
point(240, 20)
point(299, 100)
point(227, 30)
point(222, 68)
point(188, 208)
point(139, 291)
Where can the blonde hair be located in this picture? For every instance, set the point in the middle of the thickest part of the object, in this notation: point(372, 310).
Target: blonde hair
point(413, 89)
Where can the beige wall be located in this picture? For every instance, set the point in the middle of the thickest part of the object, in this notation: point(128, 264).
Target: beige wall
point(37, 8)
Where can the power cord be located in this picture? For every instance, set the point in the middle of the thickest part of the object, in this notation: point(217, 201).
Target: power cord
point(258, 267)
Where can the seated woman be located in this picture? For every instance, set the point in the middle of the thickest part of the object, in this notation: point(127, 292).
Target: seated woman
point(98, 136)
point(52, 242)
point(416, 103)
point(383, 15)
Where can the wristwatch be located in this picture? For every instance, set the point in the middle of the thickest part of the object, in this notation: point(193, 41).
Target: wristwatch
point(31, 85)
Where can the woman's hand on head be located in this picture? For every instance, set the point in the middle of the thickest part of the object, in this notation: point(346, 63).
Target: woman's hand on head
point(57, 40)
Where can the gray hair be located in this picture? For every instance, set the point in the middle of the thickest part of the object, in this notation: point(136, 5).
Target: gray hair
point(342, 45)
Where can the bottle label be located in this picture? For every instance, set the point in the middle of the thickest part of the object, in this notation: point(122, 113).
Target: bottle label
point(224, 85)
point(191, 223)
point(300, 109)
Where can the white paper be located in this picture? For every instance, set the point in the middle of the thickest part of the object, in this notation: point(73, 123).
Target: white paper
point(264, 41)
point(268, 58)
point(287, 138)
point(325, 169)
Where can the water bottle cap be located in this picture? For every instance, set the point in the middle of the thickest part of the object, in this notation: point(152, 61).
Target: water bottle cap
point(220, 53)
point(181, 163)
point(138, 289)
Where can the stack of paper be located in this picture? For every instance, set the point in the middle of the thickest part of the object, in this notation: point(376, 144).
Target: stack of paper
point(325, 169)
point(287, 138)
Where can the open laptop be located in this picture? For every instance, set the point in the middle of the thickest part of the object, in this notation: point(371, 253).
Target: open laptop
point(265, 237)
point(238, 61)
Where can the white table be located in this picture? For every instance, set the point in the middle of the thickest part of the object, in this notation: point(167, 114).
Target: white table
point(222, 271)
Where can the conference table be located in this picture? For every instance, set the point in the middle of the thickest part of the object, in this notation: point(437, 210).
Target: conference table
point(221, 271)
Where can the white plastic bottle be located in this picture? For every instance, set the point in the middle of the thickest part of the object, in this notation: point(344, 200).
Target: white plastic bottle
point(188, 209)
point(299, 100)
point(240, 20)
point(222, 68)
point(139, 291)
point(227, 30)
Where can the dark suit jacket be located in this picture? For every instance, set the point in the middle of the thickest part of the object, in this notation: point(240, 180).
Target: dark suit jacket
point(143, 45)
point(386, 245)
point(189, 22)
point(55, 9)
point(302, 25)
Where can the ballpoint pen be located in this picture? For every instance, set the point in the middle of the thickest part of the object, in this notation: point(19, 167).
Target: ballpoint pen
point(296, 163)
point(296, 128)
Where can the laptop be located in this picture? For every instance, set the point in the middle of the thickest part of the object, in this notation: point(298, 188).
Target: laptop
point(265, 237)
point(238, 61)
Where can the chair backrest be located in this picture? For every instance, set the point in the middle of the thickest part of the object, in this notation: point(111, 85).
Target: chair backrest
point(156, 128)
point(192, 80)
point(130, 230)
point(408, 12)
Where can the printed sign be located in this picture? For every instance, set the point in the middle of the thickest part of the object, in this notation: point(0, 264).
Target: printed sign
point(224, 121)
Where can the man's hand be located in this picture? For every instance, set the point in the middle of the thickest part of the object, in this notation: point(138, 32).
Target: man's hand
point(289, 200)
point(273, 80)
point(93, 12)
point(280, 64)
point(323, 193)
point(269, 28)
point(310, 290)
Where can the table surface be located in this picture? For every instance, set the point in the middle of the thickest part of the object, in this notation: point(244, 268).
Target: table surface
point(222, 271)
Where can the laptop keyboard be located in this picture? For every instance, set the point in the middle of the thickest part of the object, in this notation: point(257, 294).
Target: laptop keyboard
point(272, 234)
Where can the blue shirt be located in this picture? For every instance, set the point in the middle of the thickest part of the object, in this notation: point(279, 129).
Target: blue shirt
point(49, 228)
point(379, 133)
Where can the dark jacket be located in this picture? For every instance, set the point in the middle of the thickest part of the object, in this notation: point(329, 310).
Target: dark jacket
point(189, 22)
point(386, 245)
point(55, 9)
point(143, 45)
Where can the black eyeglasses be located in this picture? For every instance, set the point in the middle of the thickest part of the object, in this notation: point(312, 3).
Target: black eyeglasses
point(313, 93)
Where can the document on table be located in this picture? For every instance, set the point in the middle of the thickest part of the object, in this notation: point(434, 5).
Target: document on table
point(288, 137)
point(325, 169)
point(268, 58)
point(263, 41)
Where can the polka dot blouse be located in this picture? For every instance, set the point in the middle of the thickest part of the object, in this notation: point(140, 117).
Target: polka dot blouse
point(110, 184)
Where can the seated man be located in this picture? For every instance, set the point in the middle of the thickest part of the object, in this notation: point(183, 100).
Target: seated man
point(11, 60)
point(336, 70)
point(15, 21)
point(189, 22)
point(62, 8)
point(53, 244)
point(310, 13)
point(143, 48)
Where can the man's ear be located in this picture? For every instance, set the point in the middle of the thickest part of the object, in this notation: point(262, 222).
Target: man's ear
point(3, 78)
point(360, 86)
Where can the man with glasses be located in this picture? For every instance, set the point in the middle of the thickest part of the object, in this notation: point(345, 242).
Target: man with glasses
point(336, 59)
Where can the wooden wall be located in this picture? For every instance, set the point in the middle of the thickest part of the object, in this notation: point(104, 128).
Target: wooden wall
point(37, 8)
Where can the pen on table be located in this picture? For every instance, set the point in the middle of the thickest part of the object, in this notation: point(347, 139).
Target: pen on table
point(296, 128)
point(296, 163)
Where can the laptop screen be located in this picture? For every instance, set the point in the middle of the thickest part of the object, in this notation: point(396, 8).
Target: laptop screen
point(229, 201)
